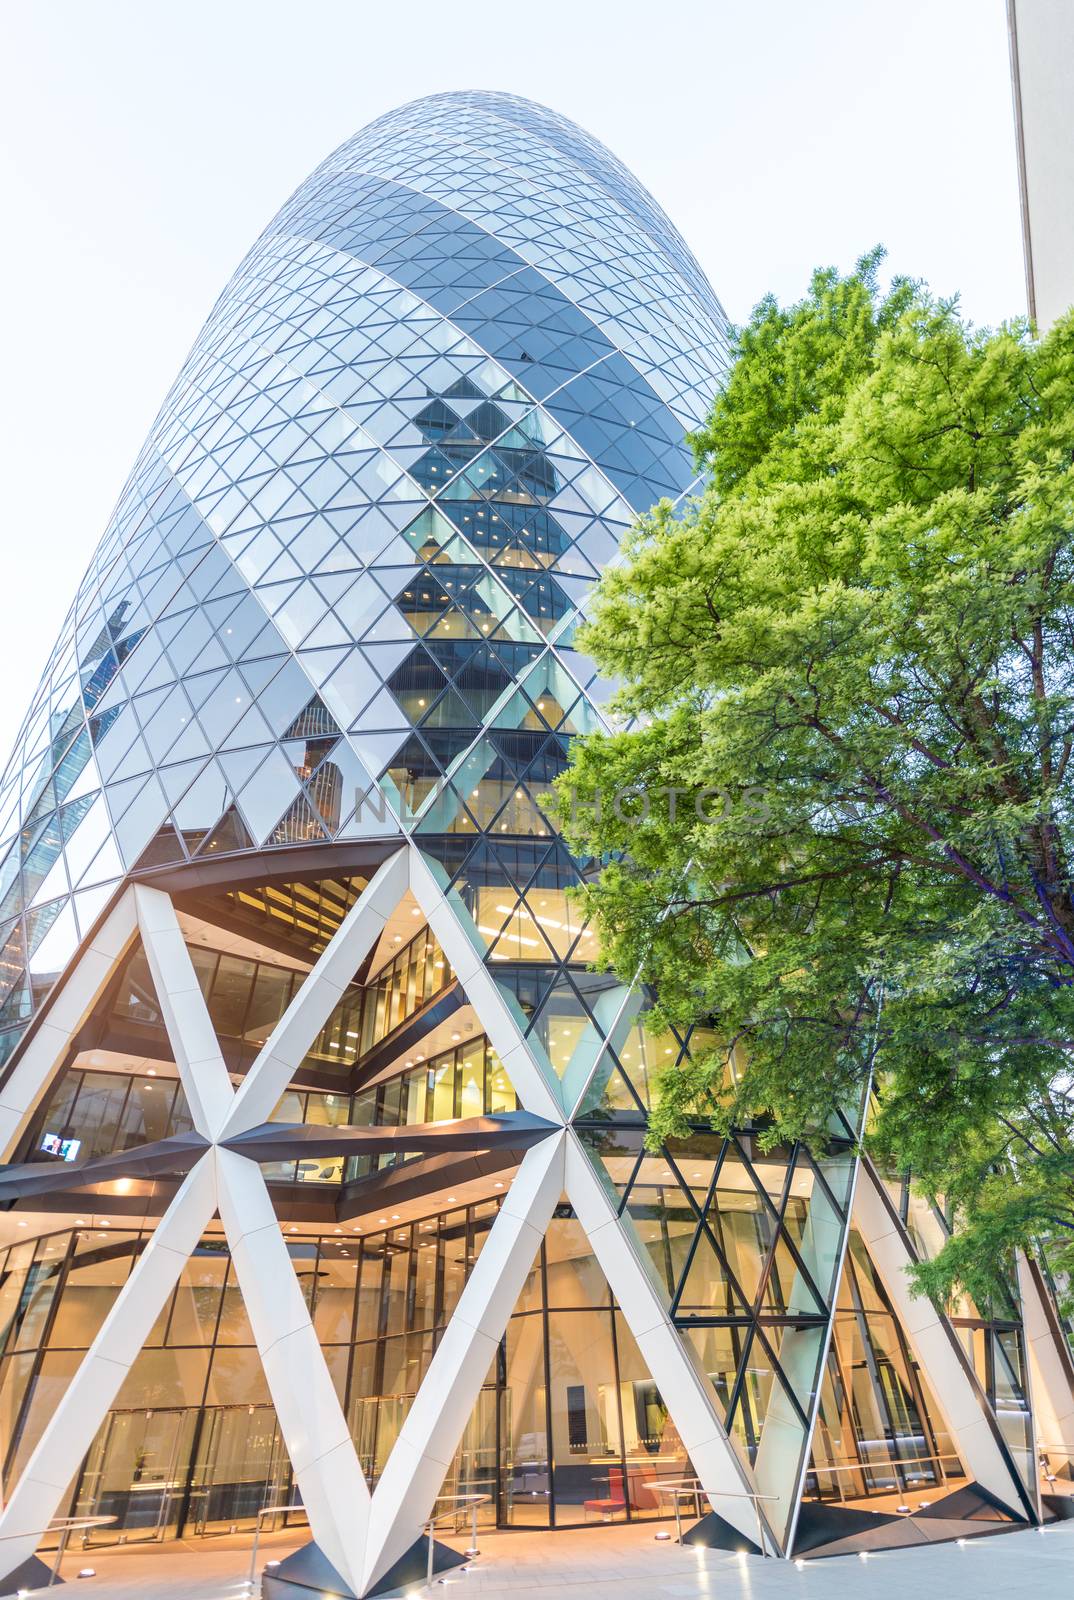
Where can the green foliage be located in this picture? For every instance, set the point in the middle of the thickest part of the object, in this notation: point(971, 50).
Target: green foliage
point(861, 632)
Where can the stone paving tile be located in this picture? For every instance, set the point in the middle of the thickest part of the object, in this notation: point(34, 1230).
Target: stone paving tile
point(623, 1563)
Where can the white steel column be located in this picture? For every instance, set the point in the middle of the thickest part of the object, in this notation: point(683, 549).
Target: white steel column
point(1051, 1367)
point(67, 1010)
point(310, 1416)
point(280, 1057)
point(191, 1035)
point(958, 1395)
point(435, 1422)
point(825, 1166)
point(92, 1390)
point(782, 1450)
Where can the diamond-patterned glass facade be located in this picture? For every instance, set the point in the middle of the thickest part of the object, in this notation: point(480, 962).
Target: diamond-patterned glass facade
point(299, 731)
point(354, 546)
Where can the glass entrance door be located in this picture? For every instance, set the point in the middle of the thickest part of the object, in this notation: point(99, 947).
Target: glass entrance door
point(137, 1472)
point(241, 1466)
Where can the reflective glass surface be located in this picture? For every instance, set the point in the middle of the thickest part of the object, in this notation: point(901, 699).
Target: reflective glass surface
point(192, 1444)
point(336, 597)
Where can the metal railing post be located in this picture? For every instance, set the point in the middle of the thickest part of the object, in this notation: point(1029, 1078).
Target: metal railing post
point(61, 1551)
point(251, 1578)
point(64, 1526)
point(265, 1511)
point(760, 1525)
point(678, 1488)
point(458, 1508)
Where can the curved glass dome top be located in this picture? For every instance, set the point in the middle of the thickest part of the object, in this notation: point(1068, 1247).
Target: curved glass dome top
point(336, 598)
point(556, 201)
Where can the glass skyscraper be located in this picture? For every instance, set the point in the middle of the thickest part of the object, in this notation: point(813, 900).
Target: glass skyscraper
point(326, 1180)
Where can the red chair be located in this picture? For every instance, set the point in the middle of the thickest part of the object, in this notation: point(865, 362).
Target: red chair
point(616, 1500)
point(643, 1496)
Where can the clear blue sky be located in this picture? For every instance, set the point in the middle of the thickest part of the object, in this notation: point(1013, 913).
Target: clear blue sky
point(144, 145)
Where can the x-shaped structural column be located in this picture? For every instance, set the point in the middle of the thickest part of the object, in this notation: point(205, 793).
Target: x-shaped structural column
point(361, 1534)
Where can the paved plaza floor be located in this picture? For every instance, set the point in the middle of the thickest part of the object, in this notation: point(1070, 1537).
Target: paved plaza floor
point(625, 1563)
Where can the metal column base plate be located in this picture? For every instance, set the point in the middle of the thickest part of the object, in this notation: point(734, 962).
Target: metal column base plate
point(714, 1533)
point(31, 1574)
point(307, 1573)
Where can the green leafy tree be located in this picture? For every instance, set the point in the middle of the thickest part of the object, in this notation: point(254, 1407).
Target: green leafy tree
point(847, 675)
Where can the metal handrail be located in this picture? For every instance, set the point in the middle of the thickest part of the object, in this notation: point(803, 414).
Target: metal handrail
point(266, 1511)
point(694, 1486)
point(473, 1500)
point(748, 1494)
point(64, 1526)
point(677, 1489)
point(875, 1466)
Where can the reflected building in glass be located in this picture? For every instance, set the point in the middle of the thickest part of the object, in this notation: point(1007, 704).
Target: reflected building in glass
point(326, 1178)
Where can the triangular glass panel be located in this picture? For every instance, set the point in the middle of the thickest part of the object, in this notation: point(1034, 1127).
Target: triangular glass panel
point(163, 849)
point(707, 1289)
point(573, 1022)
point(229, 834)
point(813, 1220)
point(510, 929)
point(664, 1217)
point(720, 1351)
point(788, 1288)
point(298, 825)
point(609, 1093)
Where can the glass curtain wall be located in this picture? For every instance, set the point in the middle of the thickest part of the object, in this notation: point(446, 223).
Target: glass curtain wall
point(878, 1429)
point(568, 1429)
point(747, 1244)
point(94, 1113)
point(247, 997)
point(991, 1334)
